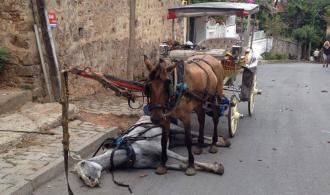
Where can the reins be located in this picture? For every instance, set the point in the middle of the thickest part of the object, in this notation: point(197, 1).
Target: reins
point(121, 87)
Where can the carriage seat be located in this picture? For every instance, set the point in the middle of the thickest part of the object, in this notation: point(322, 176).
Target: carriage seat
point(225, 43)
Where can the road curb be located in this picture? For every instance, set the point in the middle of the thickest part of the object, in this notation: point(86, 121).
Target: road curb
point(55, 168)
point(15, 101)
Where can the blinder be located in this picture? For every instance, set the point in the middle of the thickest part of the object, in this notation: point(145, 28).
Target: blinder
point(168, 89)
point(167, 86)
point(147, 89)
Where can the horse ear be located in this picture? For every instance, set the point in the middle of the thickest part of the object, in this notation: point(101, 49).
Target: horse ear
point(147, 62)
point(170, 67)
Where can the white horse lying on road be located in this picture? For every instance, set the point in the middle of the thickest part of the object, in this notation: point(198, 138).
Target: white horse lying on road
point(144, 151)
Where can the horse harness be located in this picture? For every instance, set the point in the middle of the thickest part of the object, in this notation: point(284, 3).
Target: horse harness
point(181, 90)
point(123, 142)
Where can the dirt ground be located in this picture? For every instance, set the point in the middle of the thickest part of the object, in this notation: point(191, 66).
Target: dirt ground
point(108, 120)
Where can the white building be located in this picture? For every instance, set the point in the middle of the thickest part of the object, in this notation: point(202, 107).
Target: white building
point(204, 28)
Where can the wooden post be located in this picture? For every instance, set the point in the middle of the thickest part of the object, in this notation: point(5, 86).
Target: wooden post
point(247, 32)
point(254, 23)
point(173, 37)
point(65, 124)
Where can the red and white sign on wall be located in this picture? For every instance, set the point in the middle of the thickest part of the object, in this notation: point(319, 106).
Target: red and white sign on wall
point(52, 19)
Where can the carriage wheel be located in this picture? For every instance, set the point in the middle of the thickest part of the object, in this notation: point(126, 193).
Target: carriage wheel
point(233, 116)
point(252, 99)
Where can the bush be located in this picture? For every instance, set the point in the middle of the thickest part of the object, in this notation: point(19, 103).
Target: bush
point(275, 56)
point(4, 58)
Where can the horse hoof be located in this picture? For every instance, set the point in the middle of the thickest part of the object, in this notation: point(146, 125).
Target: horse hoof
point(227, 143)
point(222, 142)
point(190, 171)
point(218, 168)
point(161, 170)
point(198, 150)
point(213, 150)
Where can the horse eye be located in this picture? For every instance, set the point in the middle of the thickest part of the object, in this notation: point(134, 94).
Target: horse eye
point(90, 178)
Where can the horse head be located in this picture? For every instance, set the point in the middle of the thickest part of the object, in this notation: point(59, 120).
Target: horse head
point(89, 172)
point(158, 88)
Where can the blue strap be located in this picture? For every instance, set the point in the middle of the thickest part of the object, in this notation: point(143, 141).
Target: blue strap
point(182, 86)
point(119, 140)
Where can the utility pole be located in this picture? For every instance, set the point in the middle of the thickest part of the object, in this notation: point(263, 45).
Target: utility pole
point(50, 49)
point(131, 40)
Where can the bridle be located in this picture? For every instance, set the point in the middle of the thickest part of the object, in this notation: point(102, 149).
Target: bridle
point(168, 90)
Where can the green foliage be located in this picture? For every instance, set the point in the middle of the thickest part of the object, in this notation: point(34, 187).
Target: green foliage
point(300, 13)
point(4, 58)
point(275, 56)
point(327, 37)
point(306, 34)
point(306, 22)
point(326, 15)
point(274, 26)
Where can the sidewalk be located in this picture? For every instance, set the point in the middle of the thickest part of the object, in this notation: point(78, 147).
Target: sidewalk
point(29, 160)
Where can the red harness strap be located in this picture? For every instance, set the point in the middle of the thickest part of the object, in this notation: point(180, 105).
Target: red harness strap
point(117, 83)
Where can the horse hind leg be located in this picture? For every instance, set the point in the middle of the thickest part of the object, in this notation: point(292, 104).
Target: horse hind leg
point(215, 118)
point(222, 142)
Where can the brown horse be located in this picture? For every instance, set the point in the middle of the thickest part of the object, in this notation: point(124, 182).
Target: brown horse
point(204, 76)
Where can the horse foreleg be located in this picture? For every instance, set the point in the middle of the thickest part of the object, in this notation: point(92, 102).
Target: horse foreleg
point(161, 169)
point(201, 120)
point(187, 128)
point(209, 167)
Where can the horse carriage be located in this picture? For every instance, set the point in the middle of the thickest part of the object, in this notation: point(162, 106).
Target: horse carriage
point(235, 54)
point(187, 78)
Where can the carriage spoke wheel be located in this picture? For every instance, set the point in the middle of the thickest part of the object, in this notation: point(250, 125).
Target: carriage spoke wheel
point(233, 116)
point(252, 99)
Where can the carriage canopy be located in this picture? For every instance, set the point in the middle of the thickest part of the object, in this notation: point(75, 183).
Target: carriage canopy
point(213, 9)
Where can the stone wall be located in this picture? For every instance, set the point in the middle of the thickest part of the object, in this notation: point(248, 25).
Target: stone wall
point(89, 34)
point(153, 27)
point(17, 36)
point(282, 46)
point(96, 34)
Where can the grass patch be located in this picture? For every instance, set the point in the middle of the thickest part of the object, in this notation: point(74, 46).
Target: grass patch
point(4, 58)
point(275, 56)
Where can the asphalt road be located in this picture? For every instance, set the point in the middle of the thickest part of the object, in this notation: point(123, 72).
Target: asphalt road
point(284, 148)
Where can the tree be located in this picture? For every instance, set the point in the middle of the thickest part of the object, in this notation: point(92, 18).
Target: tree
point(326, 18)
point(305, 22)
point(274, 26)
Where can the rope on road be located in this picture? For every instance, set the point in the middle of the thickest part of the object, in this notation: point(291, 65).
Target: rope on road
point(31, 132)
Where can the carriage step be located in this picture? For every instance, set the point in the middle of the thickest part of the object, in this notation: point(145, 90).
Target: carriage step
point(240, 115)
point(259, 92)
